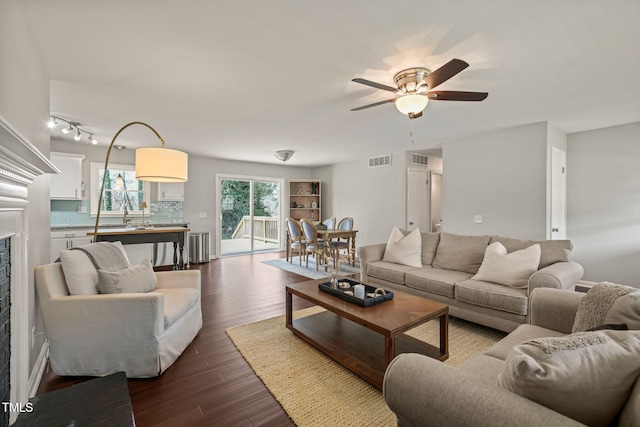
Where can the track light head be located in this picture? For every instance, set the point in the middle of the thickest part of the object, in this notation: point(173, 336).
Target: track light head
point(92, 139)
point(67, 129)
point(52, 123)
point(78, 135)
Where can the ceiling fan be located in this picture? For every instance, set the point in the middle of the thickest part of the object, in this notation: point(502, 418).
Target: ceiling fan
point(415, 88)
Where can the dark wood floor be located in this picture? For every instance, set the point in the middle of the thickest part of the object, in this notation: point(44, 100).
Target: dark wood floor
point(211, 384)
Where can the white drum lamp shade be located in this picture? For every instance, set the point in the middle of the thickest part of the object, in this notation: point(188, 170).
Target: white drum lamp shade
point(161, 165)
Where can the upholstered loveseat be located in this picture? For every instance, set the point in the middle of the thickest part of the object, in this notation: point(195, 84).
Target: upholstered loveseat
point(586, 378)
point(446, 268)
point(94, 334)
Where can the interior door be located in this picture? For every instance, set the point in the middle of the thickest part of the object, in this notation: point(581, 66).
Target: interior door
point(558, 194)
point(418, 210)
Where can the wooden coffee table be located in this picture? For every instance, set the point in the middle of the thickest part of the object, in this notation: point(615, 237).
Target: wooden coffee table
point(366, 339)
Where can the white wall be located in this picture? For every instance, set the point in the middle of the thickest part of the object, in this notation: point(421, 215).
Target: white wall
point(500, 175)
point(374, 197)
point(24, 104)
point(604, 202)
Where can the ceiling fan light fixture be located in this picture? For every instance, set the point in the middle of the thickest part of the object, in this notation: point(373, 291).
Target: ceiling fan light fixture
point(283, 155)
point(411, 104)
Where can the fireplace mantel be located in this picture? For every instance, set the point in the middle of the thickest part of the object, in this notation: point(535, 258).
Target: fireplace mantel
point(20, 163)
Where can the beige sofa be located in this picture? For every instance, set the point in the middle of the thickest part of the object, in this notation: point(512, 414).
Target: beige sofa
point(141, 334)
point(423, 391)
point(449, 262)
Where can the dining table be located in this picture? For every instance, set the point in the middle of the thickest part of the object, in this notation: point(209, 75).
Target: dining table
point(334, 233)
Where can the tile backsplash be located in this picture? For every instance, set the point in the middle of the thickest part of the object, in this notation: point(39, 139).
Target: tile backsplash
point(70, 213)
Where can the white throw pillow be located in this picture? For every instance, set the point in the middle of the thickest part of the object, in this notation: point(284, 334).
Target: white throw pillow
point(405, 250)
point(137, 279)
point(79, 272)
point(509, 269)
point(586, 376)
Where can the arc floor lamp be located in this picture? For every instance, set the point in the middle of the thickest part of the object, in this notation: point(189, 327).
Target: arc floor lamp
point(153, 164)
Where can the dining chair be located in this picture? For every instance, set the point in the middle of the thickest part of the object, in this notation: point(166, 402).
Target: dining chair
point(330, 222)
point(313, 246)
point(337, 245)
point(296, 240)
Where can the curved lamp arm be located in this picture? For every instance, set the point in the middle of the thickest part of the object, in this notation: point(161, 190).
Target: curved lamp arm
point(106, 165)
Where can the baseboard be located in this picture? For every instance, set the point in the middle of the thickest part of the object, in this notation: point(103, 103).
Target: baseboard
point(38, 370)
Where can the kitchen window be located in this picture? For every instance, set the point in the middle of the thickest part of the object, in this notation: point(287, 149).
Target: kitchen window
point(121, 190)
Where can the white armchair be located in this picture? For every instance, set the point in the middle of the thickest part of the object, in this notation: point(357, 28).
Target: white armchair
point(141, 334)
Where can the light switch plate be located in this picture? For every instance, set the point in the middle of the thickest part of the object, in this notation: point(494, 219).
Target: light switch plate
point(202, 215)
point(478, 219)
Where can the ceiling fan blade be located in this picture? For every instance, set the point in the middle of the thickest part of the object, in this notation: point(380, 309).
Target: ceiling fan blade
point(374, 104)
point(452, 95)
point(374, 84)
point(445, 72)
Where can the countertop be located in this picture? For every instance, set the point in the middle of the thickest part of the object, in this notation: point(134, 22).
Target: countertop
point(109, 226)
point(141, 230)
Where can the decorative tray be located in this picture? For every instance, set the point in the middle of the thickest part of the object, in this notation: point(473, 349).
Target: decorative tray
point(372, 295)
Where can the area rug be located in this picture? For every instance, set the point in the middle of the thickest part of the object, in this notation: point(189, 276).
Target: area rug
point(310, 272)
point(316, 391)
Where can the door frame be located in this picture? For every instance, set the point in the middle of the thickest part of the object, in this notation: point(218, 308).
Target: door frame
point(218, 209)
point(552, 196)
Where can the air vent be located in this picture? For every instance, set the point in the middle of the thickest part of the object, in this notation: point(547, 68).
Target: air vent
point(375, 162)
point(419, 159)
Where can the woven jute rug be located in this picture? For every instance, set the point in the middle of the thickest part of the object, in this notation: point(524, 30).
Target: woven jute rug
point(316, 391)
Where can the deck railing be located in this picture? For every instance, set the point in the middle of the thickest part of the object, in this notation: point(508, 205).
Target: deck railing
point(265, 228)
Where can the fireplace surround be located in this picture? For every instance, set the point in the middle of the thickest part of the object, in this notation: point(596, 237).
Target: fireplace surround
point(20, 163)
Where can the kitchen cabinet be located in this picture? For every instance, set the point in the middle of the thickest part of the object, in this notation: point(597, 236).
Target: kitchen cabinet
point(304, 199)
point(170, 191)
point(67, 185)
point(63, 240)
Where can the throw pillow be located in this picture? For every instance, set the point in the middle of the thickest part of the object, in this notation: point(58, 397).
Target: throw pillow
point(608, 303)
point(586, 376)
point(460, 253)
point(405, 250)
point(80, 273)
point(136, 279)
point(509, 269)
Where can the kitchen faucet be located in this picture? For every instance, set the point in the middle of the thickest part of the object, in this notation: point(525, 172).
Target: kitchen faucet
point(125, 217)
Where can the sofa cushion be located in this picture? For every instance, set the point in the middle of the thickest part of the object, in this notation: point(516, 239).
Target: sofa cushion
point(630, 415)
point(177, 301)
point(608, 303)
point(484, 367)
point(522, 333)
point(510, 269)
point(135, 279)
point(461, 253)
point(491, 295)
point(80, 273)
point(551, 251)
point(436, 280)
point(388, 271)
point(429, 246)
point(403, 249)
point(586, 376)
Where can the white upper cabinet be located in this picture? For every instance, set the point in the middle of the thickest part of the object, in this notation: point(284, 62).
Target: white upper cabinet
point(68, 183)
point(170, 191)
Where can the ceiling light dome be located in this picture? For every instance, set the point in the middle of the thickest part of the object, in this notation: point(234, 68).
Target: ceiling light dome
point(411, 104)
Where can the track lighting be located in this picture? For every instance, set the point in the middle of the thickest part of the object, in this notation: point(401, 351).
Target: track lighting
point(68, 130)
point(71, 127)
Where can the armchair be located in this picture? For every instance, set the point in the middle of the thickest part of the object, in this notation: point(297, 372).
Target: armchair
point(141, 334)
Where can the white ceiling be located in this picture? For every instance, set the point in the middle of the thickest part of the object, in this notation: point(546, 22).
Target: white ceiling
point(242, 79)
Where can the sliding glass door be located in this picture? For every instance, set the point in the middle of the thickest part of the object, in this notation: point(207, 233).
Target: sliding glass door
point(249, 214)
